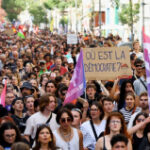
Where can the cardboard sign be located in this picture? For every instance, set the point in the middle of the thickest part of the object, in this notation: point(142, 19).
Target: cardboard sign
point(106, 63)
point(72, 39)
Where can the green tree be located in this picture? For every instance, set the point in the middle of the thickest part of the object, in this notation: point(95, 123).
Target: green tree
point(64, 21)
point(125, 14)
point(13, 8)
point(39, 14)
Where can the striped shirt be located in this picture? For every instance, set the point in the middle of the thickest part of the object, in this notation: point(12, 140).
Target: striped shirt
point(127, 113)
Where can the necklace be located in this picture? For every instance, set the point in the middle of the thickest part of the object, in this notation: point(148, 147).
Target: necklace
point(66, 137)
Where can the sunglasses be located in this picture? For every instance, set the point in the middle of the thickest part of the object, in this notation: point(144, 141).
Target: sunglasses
point(140, 120)
point(65, 120)
point(138, 66)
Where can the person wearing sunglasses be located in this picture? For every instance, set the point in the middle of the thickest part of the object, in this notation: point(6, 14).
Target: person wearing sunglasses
point(67, 137)
point(140, 85)
point(141, 138)
point(137, 73)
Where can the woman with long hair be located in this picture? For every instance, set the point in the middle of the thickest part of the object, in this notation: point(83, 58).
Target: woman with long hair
point(43, 81)
point(141, 138)
point(9, 134)
point(115, 125)
point(67, 138)
point(96, 125)
point(44, 139)
point(118, 93)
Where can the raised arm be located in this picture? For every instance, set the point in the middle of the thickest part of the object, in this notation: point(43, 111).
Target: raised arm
point(138, 126)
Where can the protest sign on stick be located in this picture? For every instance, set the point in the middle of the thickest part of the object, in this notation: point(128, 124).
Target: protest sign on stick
point(106, 63)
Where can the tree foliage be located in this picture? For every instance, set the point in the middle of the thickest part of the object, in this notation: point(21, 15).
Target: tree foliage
point(36, 8)
point(13, 8)
point(125, 14)
point(39, 14)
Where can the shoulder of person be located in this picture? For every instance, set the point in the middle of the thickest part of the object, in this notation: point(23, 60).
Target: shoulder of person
point(84, 124)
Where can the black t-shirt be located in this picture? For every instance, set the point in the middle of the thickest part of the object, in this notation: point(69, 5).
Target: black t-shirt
point(20, 122)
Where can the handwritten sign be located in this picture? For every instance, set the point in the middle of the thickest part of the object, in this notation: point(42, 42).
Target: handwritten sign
point(106, 63)
point(72, 39)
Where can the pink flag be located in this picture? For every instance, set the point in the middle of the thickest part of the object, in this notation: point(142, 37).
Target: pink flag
point(146, 45)
point(77, 83)
point(3, 94)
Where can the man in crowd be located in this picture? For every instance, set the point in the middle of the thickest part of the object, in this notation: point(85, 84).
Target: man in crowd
point(143, 104)
point(119, 142)
point(140, 84)
point(44, 116)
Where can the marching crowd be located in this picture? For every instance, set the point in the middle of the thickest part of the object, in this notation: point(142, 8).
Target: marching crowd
point(110, 115)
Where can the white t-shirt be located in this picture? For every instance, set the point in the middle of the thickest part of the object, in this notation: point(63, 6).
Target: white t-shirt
point(86, 126)
point(38, 119)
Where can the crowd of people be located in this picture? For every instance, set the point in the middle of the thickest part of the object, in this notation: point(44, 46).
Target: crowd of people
point(110, 115)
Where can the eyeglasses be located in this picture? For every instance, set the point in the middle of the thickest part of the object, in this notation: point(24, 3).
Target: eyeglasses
point(140, 120)
point(65, 120)
point(115, 121)
point(94, 109)
point(10, 135)
point(11, 97)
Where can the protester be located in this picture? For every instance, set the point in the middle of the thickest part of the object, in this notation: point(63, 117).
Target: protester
point(115, 125)
point(141, 138)
point(96, 126)
point(108, 106)
point(130, 108)
point(119, 142)
point(9, 135)
point(29, 104)
point(18, 115)
point(77, 120)
point(44, 139)
point(66, 136)
point(140, 85)
point(44, 116)
point(20, 146)
point(143, 104)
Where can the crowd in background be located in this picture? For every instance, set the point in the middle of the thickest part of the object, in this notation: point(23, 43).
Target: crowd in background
point(38, 70)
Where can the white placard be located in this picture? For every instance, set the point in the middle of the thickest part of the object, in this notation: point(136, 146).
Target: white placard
point(72, 39)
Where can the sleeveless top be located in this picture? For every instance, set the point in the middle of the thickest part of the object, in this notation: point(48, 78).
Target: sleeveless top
point(71, 145)
point(136, 141)
point(104, 146)
point(140, 143)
